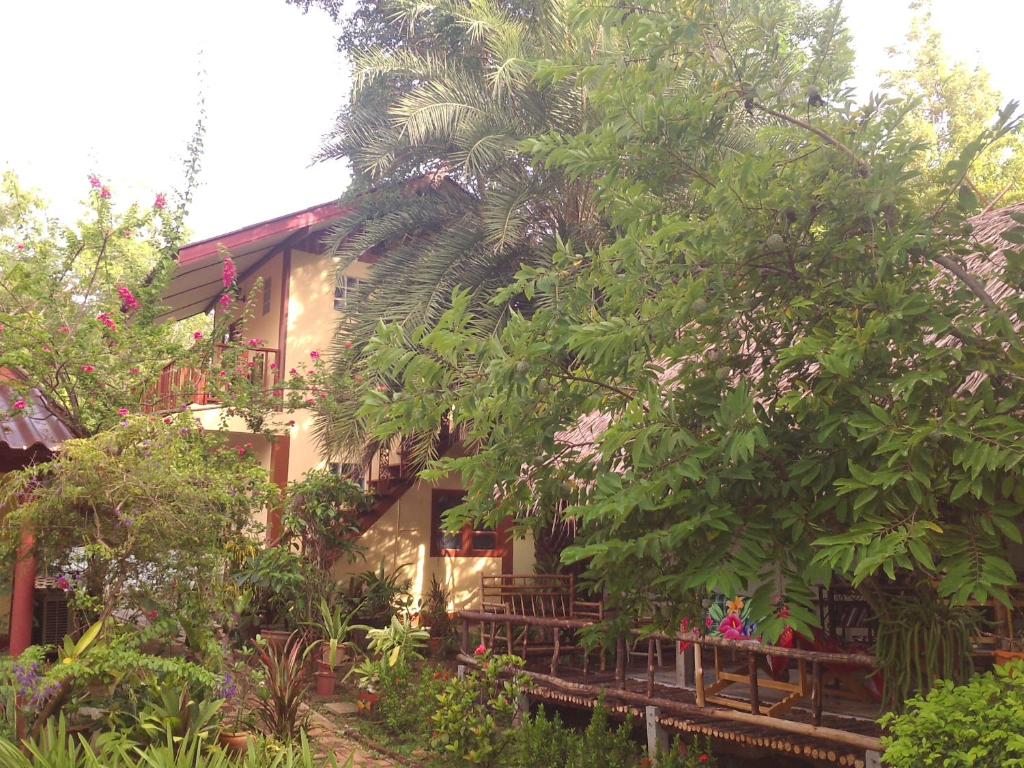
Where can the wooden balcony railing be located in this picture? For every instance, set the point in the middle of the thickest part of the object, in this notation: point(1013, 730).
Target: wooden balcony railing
point(181, 386)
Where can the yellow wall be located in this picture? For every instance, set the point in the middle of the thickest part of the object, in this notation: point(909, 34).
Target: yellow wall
point(401, 537)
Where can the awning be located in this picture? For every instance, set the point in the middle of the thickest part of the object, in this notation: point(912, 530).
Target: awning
point(197, 280)
point(35, 435)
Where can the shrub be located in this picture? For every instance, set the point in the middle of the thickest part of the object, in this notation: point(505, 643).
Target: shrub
point(697, 755)
point(408, 699)
point(474, 714)
point(541, 741)
point(980, 724)
point(602, 747)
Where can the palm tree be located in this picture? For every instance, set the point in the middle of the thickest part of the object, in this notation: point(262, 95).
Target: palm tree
point(444, 93)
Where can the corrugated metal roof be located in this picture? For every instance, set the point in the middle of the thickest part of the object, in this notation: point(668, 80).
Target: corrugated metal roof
point(36, 429)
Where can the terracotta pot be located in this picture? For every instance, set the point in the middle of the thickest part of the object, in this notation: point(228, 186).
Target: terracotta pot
point(436, 647)
point(1005, 657)
point(235, 742)
point(326, 681)
point(367, 701)
point(276, 638)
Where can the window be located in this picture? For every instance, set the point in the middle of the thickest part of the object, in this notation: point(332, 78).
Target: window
point(266, 295)
point(345, 292)
point(353, 472)
point(469, 542)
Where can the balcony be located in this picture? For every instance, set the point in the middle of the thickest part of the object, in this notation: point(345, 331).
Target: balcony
point(180, 386)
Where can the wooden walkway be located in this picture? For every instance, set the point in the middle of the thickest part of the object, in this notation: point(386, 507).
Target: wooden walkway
point(729, 696)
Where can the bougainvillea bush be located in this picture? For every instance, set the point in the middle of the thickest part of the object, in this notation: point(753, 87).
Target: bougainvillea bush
point(79, 303)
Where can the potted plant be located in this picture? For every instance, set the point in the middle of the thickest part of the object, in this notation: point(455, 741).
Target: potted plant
point(434, 615)
point(1013, 651)
point(237, 689)
point(393, 648)
point(277, 578)
point(334, 626)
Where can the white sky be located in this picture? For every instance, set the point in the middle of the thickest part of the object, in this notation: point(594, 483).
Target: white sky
point(110, 87)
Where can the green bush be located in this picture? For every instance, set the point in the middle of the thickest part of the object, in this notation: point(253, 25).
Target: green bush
point(602, 747)
point(408, 699)
point(697, 755)
point(541, 741)
point(980, 724)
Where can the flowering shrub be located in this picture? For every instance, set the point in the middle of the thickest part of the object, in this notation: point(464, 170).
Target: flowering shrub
point(79, 315)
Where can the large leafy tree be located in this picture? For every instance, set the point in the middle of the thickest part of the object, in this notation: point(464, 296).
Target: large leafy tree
point(777, 370)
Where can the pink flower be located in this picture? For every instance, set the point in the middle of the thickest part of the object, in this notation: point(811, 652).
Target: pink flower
point(230, 273)
point(88, 369)
point(129, 234)
point(709, 622)
point(152, 615)
point(348, 345)
point(107, 320)
point(254, 342)
point(128, 301)
point(104, 193)
point(122, 412)
point(21, 246)
point(273, 366)
point(222, 374)
point(64, 329)
point(168, 420)
point(241, 450)
point(731, 627)
point(160, 202)
point(310, 401)
point(19, 404)
point(481, 650)
point(225, 300)
point(293, 372)
point(314, 355)
point(94, 181)
point(63, 583)
point(198, 335)
point(135, 371)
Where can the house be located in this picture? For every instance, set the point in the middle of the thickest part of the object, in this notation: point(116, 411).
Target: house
point(32, 610)
point(297, 298)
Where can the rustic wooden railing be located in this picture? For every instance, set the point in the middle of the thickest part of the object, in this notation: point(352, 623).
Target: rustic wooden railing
point(707, 704)
point(181, 386)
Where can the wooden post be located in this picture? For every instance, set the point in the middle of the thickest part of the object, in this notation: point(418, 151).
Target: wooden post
point(650, 666)
point(508, 636)
point(698, 674)
point(872, 759)
point(657, 737)
point(684, 667)
point(554, 655)
point(620, 661)
point(460, 672)
point(522, 710)
point(464, 636)
point(755, 696)
point(816, 692)
point(23, 592)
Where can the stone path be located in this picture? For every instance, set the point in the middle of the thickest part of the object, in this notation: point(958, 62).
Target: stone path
point(330, 740)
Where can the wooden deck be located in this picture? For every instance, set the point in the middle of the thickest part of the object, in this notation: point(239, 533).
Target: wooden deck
point(720, 688)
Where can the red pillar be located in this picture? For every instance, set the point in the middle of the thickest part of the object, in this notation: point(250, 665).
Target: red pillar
point(279, 450)
point(23, 593)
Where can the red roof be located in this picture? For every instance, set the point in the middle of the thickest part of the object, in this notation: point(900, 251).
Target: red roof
point(33, 436)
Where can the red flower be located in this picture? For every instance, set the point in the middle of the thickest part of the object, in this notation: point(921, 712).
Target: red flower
point(273, 366)
point(731, 627)
point(241, 450)
point(94, 181)
point(230, 273)
point(222, 374)
point(104, 193)
point(135, 371)
point(19, 404)
point(122, 411)
point(168, 420)
point(703, 759)
point(310, 401)
point(128, 301)
point(709, 622)
point(225, 300)
point(64, 329)
point(151, 615)
point(348, 345)
point(481, 650)
point(107, 320)
point(88, 369)
point(160, 202)
point(198, 335)
point(314, 355)
point(293, 372)
point(21, 246)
